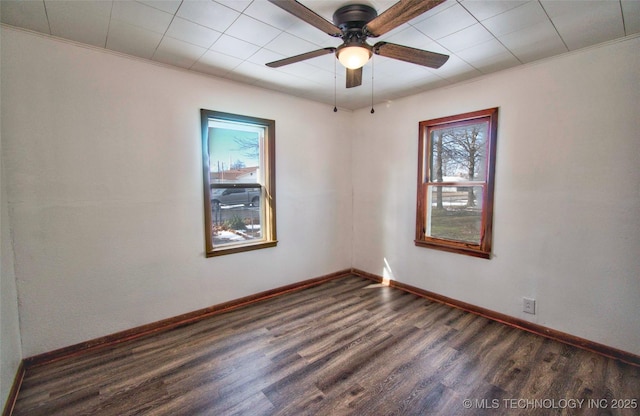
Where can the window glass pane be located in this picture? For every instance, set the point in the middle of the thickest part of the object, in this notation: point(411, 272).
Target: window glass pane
point(234, 152)
point(455, 213)
point(236, 216)
point(458, 154)
point(239, 182)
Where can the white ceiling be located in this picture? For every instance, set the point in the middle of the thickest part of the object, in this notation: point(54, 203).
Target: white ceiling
point(235, 38)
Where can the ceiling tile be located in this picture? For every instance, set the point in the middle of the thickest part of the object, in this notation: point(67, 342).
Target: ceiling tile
point(270, 13)
point(238, 5)
point(534, 42)
point(313, 35)
point(193, 33)
point(497, 63)
point(176, 52)
point(319, 67)
point(216, 63)
point(387, 67)
point(207, 13)
point(276, 17)
point(263, 56)
point(489, 57)
point(430, 13)
point(306, 70)
point(392, 69)
point(289, 45)
point(169, 6)
point(234, 47)
point(385, 75)
point(26, 14)
point(250, 73)
point(483, 9)
point(482, 50)
point(631, 13)
point(294, 86)
point(132, 40)
point(411, 87)
point(414, 38)
point(141, 15)
point(252, 31)
point(446, 22)
point(585, 23)
point(455, 69)
point(466, 38)
point(382, 5)
point(516, 19)
point(86, 22)
point(481, 36)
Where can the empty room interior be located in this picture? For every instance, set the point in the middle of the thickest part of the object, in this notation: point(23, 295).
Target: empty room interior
point(208, 208)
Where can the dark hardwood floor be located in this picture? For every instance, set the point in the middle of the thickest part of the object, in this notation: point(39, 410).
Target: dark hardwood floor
point(345, 347)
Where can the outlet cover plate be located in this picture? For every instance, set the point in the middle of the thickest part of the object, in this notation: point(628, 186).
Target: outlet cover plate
point(529, 305)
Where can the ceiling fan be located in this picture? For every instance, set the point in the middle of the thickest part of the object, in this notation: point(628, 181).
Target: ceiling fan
point(354, 23)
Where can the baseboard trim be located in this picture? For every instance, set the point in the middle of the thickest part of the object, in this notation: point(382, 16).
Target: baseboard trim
point(195, 316)
point(15, 388)
point(174, 322)
point(563, 337)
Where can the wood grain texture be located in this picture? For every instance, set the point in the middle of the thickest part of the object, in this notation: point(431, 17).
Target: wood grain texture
point(512, 321)
point(174, 322)
point(411, 55)
point(401, 12)
point(349, 346)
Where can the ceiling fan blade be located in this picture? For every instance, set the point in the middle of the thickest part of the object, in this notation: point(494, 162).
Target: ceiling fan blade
point(354, 77)
point(412, 55)
point(301, 57)
point(399, 13)
point(302, 12)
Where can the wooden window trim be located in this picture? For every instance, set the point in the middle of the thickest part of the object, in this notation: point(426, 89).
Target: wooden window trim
point(482, 250)
point(269, 204)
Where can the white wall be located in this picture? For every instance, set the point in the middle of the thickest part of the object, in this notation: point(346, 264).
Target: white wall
point(103, 176)
point(105, 189)
point(567, 199)
point(10, 348)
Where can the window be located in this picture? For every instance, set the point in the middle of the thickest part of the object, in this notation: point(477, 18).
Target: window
point(456, 166)
point(239, 182)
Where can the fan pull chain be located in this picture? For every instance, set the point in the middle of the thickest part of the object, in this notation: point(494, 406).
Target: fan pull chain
point(372, 110)
point(335, 83)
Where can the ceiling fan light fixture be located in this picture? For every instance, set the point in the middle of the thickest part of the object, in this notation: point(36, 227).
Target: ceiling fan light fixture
point(353, 56)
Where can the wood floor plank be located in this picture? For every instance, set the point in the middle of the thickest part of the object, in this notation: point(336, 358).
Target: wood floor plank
point(345, 347)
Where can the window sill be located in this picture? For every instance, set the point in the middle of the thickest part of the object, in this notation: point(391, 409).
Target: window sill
point(221, 251)
point(452, 247)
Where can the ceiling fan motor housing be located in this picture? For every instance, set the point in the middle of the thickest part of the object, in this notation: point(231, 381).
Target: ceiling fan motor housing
point(353, 17)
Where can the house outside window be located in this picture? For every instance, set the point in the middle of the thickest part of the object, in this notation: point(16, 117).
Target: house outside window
point(239, 182)
point(456, 168)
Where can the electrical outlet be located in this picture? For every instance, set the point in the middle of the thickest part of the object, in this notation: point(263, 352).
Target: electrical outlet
point(529, 305)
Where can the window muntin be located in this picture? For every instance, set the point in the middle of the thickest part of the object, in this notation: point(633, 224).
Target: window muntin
point(455, 183)
point(239, 176)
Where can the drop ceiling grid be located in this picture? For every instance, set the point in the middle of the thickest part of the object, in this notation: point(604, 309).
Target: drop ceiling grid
point(235, 38)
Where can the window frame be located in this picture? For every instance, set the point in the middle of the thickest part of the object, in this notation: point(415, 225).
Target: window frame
point(268, 200)
point(483, 249)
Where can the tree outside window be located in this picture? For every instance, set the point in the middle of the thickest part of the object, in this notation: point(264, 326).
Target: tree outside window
point(455, 183)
